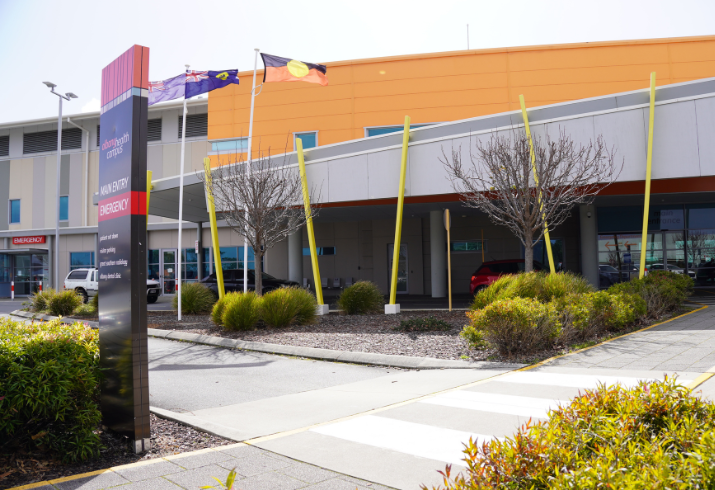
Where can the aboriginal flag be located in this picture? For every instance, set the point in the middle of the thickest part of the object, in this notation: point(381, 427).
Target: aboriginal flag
point(279, 69)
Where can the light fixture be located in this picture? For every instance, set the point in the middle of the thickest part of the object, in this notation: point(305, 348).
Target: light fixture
point(50, 84)
point(71, 95)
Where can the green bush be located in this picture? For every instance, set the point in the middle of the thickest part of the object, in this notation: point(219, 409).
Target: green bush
point(49, 388)
point(64, 303)
point(541, 286)
point(656, 435)
point(662, 291)
point(241, 311)
point(196, 299)
point(285, 306)
point(583, 315)
point(217, 311)
point(39, 301)
point(94, 302)
point(428, 324)
point(361, 298)
point(515, 326)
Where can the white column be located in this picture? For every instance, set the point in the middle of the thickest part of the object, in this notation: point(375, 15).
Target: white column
point(438, 254)
point(295, 257)
point(589, 243)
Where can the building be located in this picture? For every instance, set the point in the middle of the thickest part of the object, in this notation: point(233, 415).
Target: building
point(350, 126)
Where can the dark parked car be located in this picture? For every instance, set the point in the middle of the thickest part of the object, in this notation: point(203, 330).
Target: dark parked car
point(608, 275)
point(233, 281)
point(491, 271)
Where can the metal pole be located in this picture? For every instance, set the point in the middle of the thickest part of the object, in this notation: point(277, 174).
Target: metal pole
point(400, 205)
point(309, 223)
point(181, 205)
point(448, 225)
point(57, 199)
point(649, 160)
point(248, 171)
point(214, 229)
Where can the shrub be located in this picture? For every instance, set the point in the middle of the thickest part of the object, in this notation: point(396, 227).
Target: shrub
point(94, 302)
point(662, 291)
point(656, 435)
point(39, 301)
point(242, 311)
point(284, 306)
point(515, 326)
point(49, 388)
point(64, 303)
point(475, 338)
point(217, 311)
point(361, 298)
point(428, 324)
point(541, 286)
point(196, 299)
point(583, 315)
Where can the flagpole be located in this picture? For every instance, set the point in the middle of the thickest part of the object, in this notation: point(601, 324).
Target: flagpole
point(248, 171)
point(181, 202)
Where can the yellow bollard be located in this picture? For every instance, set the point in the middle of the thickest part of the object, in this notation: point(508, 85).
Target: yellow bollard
point(309, 223)
point(214, 229)
point(649, 161)
point(400, 206)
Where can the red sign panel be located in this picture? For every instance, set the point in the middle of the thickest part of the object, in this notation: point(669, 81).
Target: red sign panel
point(27, 240)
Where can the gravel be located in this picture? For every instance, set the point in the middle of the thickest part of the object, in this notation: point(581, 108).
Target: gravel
point(356, 333)
point(167, 437)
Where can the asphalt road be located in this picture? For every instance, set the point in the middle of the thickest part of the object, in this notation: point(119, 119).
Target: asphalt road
point(185, 377)
point(7, 306)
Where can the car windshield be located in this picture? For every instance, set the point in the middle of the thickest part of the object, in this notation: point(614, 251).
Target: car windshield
point(608, 268)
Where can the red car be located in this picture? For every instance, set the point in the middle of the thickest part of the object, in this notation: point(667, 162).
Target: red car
point(491, 271)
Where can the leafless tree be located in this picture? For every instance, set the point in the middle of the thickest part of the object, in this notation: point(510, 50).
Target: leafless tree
point(264, 204)
point(499, 180)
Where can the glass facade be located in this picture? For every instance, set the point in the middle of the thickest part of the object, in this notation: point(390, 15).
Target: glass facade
point(80, 260)
point(64, 208)
point(14, 211)
point(310, 140)
point(29, 271)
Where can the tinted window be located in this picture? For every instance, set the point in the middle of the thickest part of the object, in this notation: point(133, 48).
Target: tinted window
point(78, 275)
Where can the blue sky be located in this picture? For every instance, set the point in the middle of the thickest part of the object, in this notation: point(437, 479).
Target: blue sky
point(69, 42)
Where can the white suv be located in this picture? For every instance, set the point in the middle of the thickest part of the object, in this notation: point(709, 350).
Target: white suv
point(84, 281)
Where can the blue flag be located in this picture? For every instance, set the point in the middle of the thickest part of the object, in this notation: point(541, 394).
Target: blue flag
point(170, 89)
point(200, 82)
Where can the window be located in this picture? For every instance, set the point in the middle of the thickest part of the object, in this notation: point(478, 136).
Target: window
point(153, 263)
point(97, 135)
point(467, 246)
point(310, 140)
point(81, 260)
point(196, 125)
point(5, 268)
point(239, 145)
point(320, 251)
point(189, 265)
point(390, 129)
point(14, 211)
point(4, 146)
point(154, 130)
point(77, 276)
point(64, 208)
point(47, 141)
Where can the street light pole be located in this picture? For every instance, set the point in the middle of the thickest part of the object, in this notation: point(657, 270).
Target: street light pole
point(67, 96)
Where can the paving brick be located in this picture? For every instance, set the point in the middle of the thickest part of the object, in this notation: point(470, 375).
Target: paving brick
point(96, 482)
point(146, 471)
point(203, 459)
point(198, 477)
point(271, 481)
point(256, 465)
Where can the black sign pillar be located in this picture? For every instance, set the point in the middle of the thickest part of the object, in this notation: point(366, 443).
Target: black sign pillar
point(122, 246)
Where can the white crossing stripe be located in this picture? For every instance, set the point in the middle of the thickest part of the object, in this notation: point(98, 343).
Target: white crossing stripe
point(496, 403)
point(406, 437)
point(571, 380)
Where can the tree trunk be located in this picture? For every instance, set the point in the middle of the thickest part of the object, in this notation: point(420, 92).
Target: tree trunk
point(258, 255)
point(529, 253)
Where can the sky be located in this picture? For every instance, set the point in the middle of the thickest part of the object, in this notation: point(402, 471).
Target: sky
point(69, 42)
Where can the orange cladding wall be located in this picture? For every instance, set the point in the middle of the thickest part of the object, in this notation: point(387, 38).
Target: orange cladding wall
point(449, 86)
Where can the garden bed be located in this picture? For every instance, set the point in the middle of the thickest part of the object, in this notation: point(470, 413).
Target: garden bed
point(167, 437)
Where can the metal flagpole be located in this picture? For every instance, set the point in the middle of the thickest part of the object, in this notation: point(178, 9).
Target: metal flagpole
point(181, 203)
point(248, 171)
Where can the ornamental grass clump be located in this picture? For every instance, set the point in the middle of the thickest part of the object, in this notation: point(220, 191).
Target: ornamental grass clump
point(39, 301)
point(49, 388)
point(585, 315)
point(285, 306)
point(514, 326)
point(64, 303)
point(241, 311)
point(662, 291)
point(217, 311)
point(655, 435)
point(196, 299)
point(541, 286)
point(362, 298)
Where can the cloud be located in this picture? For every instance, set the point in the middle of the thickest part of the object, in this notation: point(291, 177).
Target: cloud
point(91, 106)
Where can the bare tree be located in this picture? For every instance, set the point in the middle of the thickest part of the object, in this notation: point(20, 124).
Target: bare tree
point(264, 204)
point(499, 180)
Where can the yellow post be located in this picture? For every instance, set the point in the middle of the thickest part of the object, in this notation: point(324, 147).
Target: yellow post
point(400, 205)
point(448, 225)
point(309, 223)
point(547, 238)
point(214, 228)
point(148, 195)
point(649, 160)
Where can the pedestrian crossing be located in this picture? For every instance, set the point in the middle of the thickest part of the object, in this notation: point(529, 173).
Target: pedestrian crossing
point(431, 432)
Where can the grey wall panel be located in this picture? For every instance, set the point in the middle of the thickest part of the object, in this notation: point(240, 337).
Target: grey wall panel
point(705, 113)
point(348, 179)
point(76, 189)
point(384, 174)
point(626, 132)
point(581, 130)
point(318, 182)
point(427, 174)
point(675, 141)
point(155, 161)
point(64, 175)
point(16, 136)
point(4, 193)
point(38, 192)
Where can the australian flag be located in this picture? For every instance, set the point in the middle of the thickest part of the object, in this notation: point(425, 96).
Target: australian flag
point(190, 84)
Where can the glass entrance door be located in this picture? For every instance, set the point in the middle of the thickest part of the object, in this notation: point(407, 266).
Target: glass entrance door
point(402, 276)
point(168, 270)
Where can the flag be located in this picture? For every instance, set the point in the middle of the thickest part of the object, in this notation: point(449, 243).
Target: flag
point(200, 82)
point(170, 89)
point(279, 69)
